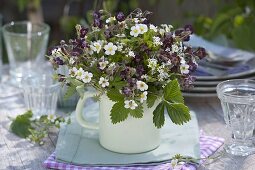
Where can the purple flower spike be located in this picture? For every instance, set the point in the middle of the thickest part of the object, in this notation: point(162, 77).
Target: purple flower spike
point(107, 33)
point(58, 61)
point(189, 28)
point(127, 91)
point(83, 32)
point(120, 16)
point(98, 23)
point(200, 52)
point(96, 15)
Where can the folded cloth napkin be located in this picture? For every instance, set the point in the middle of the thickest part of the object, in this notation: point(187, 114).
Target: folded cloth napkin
point(224, 52)
point(208, 145)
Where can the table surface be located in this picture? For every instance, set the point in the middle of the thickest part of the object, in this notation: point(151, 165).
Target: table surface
point(17, 153)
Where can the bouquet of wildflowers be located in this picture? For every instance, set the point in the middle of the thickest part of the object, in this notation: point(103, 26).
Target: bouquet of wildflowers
point(133, 62)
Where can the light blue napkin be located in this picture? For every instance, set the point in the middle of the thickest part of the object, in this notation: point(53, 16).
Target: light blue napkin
point(80, 146)
point(225, 52)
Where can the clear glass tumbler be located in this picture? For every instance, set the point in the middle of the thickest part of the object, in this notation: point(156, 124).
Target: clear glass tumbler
point(26, 45)
point(41, 94)
point(238, 104)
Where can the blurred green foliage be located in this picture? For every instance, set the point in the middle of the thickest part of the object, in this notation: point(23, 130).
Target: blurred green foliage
point(233, 25)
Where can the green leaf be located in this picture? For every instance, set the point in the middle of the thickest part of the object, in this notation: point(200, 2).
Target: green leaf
point(137, 112)
point(158, 115)
point(118, 83)
point(172, 92)
point(75, 82)
point(115, 95)
point(118, 112)
point(71, 90)
point(151, 100)
point(178, 112)
point(21, 125)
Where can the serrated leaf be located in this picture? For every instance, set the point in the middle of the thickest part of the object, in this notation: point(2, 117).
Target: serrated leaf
point(178, 112)
point(151, 100)
point(118, 112)
point(75, 82)
point(172, 92)
point(115, 95)
point(117, 82)
point(21, 124)
point(71, 90)
point(137, 112)
point(158, 115)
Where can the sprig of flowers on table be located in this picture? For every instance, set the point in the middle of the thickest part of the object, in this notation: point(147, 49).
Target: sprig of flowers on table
point(133, 62)
point(36, 129)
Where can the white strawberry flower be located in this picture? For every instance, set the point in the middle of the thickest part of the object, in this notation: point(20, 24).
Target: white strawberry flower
point(87, 77)
point(96, 46)
point(104, 82)
point(51, 117)
point(143, 28)
point(131, 54)
point(184, 68)
point(156, 41)
point(130, 104)
point(135, 31)
point(136, 20)
point(80, 74)
point(153, 27)
point(182, 61)
point(103, 64)
point(175, 48)
point(73, 71)
point(141, 85)
point(110, 48)
point(143, 96)
point(71, 61)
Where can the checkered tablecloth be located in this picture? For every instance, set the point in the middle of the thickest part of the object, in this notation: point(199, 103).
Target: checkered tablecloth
point(208, 145)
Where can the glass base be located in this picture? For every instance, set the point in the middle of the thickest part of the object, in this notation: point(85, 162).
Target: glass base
point(240, 149)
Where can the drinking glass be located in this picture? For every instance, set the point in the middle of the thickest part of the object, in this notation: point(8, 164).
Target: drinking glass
point(40, 94)
point(238, 104)
point(26, 44)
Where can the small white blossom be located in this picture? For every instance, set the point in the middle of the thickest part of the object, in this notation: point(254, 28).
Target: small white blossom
point(156, 41)
point(130, 104)
point(143, 96)
point(71, 61)
point(152, 63)
point(135, 31)
point(96, 47)
point(87, 77)
point(168, 49)
point(162, 31)
point(131, 53)
point(145, 76)
point(182, 60)
point(153, 27)
point(104, 82)
point(73, 71)
point(111, 19)
point(141, 85)
point(51, 117)
point(56, 52)
point(168, 63)
point(175, 48)
point(119, 47)
point(110, 49)
point(174, 163)
point(136, 20)
point(112, 65)
point(143, 28)
point(80, 74)
point(184, 68)
point(103, 64)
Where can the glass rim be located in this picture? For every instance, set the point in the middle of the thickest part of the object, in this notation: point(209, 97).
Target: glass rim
point(219, 88)
point(26, 84)
point(7, 25)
